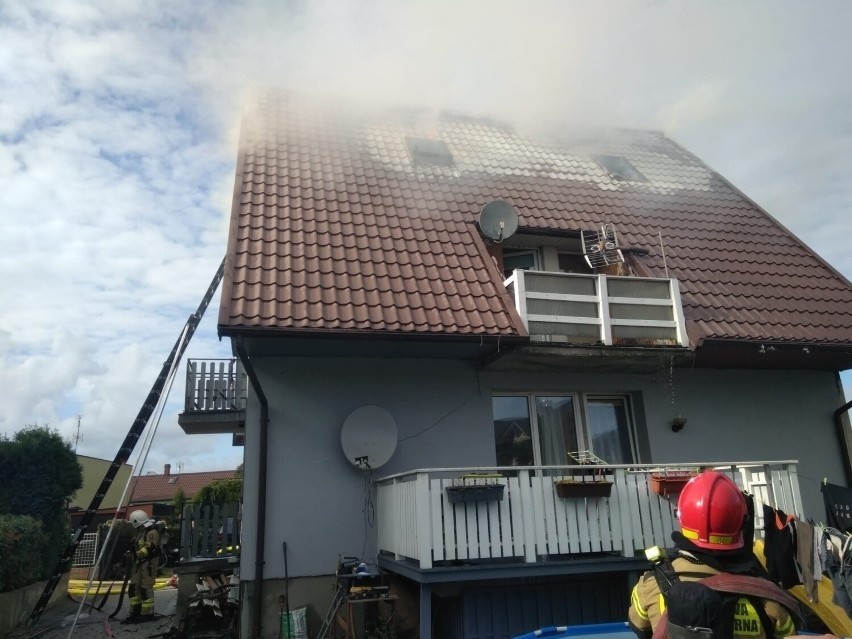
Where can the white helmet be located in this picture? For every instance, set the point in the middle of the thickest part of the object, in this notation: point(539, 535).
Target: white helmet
point(138, 518)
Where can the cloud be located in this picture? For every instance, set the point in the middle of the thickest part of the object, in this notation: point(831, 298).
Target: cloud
point(119, 125)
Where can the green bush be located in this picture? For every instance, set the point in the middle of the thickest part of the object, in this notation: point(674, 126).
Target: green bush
point(23, 544)
point(38, 474)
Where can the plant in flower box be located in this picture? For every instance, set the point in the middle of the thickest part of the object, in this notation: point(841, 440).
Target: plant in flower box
point(476, 487)
point(670, 482)
point(592, 483)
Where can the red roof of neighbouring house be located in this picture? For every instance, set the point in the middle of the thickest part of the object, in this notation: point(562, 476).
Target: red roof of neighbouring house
point(336, 228)
point(161, 488)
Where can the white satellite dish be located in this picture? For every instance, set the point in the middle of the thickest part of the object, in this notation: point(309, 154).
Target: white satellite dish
point(368, 437)
point(498, 220)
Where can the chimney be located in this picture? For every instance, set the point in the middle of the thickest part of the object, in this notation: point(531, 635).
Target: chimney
point(167, 470)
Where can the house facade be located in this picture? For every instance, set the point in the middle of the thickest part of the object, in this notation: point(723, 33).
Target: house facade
point(94, 470)
point(421, 387)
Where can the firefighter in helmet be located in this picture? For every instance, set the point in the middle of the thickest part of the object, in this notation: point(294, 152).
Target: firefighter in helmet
point(712, 512)
point(145, 558)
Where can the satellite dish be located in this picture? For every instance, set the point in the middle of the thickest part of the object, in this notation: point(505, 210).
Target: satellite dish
point(498, 220)
point(600, 248)
point(368, 437)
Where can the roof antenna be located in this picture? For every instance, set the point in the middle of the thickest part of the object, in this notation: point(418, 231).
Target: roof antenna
point(663, 249)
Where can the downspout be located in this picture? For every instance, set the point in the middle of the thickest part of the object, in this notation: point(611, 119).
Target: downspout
point(838, 424)
point(260, 540)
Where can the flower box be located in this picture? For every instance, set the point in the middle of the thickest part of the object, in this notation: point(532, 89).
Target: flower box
point(567, 488)
point(475, 492)
point(669, 484)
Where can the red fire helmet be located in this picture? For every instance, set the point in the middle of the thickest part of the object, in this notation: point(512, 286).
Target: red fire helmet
point(712, 510)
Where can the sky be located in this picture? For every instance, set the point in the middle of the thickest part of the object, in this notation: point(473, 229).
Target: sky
point(118, 142)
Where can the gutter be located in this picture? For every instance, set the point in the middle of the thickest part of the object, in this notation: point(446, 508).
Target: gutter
point(260, 538)
point(844, 450)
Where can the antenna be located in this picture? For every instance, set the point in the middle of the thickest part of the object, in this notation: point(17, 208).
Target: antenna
point(498, 220)
point(77, 436)
point(663, 251)
point(600, 248)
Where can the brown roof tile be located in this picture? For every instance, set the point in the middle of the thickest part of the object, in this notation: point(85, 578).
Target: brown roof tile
point(336, 228)
point(147, 489)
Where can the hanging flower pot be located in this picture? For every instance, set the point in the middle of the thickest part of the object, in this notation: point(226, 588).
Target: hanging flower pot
point(476, 487)
point(568, 488)
point(670, 484)
point(456, 494)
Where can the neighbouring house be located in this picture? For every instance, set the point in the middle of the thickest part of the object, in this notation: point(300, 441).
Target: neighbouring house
point(154, 493)
point(94, 471)
point(418, 377)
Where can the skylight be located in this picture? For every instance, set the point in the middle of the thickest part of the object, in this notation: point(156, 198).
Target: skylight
point(619, 168)
point(429, 151)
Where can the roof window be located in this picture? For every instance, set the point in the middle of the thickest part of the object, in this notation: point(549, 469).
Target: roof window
point(429, 151)
point(619, 168)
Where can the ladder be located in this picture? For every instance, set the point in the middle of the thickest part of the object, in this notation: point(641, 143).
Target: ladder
point(128, 445)
point(339, 597)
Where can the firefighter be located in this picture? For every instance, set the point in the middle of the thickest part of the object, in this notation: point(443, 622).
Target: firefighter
point(145, 556)
point(712, 512)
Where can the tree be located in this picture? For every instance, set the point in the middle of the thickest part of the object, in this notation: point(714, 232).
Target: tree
point(39, 473)
point(219, 491)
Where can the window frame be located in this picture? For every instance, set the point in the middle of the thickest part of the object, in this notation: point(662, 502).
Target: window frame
point(580, 400)
point(626, 398)
point(534, 252)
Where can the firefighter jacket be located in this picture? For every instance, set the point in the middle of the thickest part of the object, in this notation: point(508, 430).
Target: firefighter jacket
point(647, 604)
point(146, 545)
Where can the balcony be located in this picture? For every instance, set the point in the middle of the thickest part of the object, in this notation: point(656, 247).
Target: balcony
point(215, 400)
point(527, 522)
point(606, 310)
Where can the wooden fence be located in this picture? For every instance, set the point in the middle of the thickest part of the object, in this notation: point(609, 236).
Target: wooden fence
point(210, 530)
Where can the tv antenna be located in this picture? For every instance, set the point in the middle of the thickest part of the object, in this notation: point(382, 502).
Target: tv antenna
point(498, 220)
point(77, 435)
point(600, 248)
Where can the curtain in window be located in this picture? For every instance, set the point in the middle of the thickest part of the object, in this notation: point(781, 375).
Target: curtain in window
point(608, 430)
point(557, 432)
point(512, 431)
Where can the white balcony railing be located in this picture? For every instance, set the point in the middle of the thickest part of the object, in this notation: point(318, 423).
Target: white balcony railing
point(530, 523)
point(604, 309)
point(215, 385)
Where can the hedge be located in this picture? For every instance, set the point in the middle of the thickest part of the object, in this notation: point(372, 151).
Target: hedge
point(23, 545)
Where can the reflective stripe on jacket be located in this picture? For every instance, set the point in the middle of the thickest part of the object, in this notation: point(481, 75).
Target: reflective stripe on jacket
point(647, 605)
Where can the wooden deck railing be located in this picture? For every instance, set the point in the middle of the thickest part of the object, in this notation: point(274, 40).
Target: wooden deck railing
point(215, 385)
point(530, 523)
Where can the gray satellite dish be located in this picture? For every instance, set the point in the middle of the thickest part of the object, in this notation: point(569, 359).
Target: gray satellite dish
point(498, 220)
point(368, 437)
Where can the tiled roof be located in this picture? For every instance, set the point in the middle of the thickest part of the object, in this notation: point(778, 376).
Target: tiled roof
point(336, 228)
point(147, 489)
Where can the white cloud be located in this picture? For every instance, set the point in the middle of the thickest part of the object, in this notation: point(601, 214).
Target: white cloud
point(119, 124)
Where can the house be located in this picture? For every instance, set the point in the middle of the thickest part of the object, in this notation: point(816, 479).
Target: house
point(94, 470)
point(396, 348)
point(155, 493)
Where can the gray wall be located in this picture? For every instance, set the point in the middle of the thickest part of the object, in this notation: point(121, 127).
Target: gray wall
point(316, 497)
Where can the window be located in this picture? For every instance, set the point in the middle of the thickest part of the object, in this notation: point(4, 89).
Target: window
point(429, 151)
point(619, 168)
point(574, 263)
point(539, 429)
point(524, 260)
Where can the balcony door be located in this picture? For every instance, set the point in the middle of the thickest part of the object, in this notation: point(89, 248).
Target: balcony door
point(540, 429)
